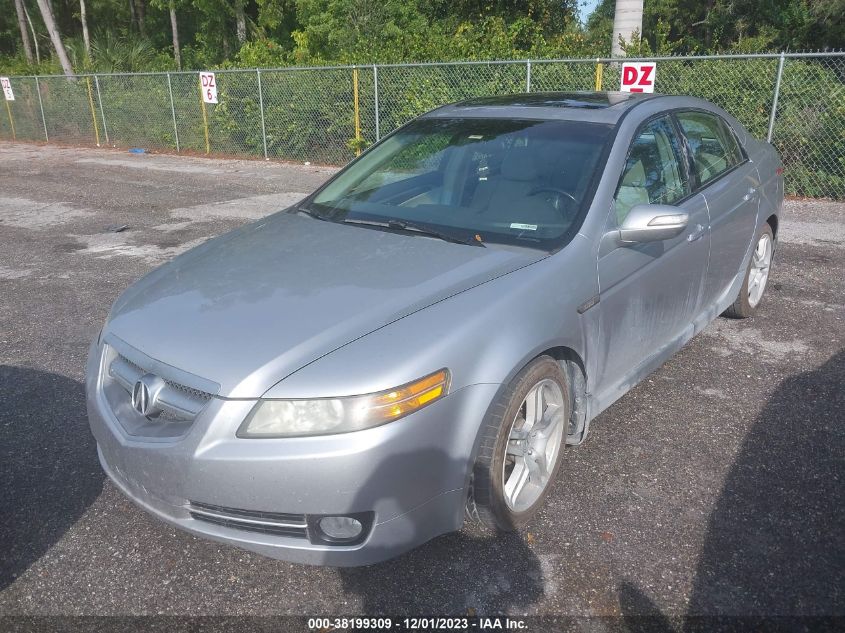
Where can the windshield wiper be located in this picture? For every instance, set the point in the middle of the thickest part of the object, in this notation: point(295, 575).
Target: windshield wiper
point(310, 212)
point(405, 225)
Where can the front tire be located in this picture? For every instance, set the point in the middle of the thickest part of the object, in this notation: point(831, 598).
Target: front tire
point(756, 277)
point(522, 444)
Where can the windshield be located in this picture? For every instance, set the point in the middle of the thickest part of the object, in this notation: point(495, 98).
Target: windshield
point(490, 180)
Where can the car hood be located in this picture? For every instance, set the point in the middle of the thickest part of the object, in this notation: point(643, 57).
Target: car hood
point(249, 308)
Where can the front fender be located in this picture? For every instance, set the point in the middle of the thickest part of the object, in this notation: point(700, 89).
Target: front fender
point(484, 336)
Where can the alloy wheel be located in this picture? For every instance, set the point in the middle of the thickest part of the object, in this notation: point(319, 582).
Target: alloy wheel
point(761, 260)
point(534, 443)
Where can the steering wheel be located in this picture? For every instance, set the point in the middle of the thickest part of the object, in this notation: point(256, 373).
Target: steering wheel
point(554, 190)
point(561, 193)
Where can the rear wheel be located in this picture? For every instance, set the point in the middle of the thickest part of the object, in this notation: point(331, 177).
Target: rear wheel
point(756, 277)
point(522, 446)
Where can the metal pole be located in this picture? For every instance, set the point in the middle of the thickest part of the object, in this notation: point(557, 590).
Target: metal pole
point(41, 105)
point(102, 112)
point(173, 112)
point(356, 111)
point(527, 75)
point(11, 120)
point(375, 88)
point(93, 113)
point(204, 118)
point(775, 100)
point(261, 108)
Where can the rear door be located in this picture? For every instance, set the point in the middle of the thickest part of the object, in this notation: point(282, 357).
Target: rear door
point(650, 292)
point(729, 183)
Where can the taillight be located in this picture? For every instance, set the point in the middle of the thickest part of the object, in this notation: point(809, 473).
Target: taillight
point(779, 171)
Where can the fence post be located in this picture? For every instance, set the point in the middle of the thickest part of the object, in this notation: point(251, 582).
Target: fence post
point(93, 113)
point(375, 89)
point(102, 111)
point(775, 100)
point(357, 111)
point(41, 106)
point(599, 73)
point(204, 118)
point(11, 121)
point(527, 75)
point(173, 112)
point(261, 108)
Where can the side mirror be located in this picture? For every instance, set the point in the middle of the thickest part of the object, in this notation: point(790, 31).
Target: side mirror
point(652, 223)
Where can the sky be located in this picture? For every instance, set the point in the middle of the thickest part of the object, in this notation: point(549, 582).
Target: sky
point(587, 7)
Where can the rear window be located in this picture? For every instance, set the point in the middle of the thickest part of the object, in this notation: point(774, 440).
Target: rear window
point(714, 147)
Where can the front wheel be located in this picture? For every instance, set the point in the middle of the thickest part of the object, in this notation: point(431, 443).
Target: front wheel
point(522, 445)
point(756, 277)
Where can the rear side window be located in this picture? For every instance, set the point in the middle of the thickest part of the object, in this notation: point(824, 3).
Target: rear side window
point(713, 145)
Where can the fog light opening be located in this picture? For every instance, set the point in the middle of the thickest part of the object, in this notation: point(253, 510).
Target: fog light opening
point(339, 528)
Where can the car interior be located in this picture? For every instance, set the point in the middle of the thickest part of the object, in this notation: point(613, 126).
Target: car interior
point(652, 173)
point(524, 183)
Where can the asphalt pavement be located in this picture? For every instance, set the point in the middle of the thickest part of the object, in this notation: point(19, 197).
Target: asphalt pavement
point(714, 487)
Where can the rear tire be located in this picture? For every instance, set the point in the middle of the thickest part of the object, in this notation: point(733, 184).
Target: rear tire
point(523, 439)
point(756, 277)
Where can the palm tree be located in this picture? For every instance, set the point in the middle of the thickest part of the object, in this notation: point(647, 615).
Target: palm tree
point(34, 36)
point(86, 38)
point(128, 53)
point(240, 22)
point(174, 27)
point(627, 19)
point(27, 46)
point(55, 37)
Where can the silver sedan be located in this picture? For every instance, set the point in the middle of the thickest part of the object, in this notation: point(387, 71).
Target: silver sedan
point(416, 343)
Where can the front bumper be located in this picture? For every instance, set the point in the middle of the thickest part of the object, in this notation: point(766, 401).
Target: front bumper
point(409, 475)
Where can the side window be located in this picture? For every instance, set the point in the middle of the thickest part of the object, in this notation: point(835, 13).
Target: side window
point(654, 172)
point(713, 145)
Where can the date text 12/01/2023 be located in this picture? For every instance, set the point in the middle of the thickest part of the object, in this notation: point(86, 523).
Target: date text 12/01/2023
point(463, 623)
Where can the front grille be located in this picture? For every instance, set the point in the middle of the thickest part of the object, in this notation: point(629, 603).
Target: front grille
point(180, 398)
point(175, 400)
point(276, 523)
point(195, 393)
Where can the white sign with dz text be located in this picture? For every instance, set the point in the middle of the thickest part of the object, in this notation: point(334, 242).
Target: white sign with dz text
point(7, 88)
point(638, 76)
point(208, 85)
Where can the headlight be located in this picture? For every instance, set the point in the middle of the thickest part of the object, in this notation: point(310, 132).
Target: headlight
point(291, 418)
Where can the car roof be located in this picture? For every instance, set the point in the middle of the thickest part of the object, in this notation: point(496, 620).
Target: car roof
point(599, 107)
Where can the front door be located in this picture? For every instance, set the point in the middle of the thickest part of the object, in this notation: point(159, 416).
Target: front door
point(650, 292)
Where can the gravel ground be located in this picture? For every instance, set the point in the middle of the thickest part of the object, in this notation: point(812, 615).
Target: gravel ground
point(714, 487)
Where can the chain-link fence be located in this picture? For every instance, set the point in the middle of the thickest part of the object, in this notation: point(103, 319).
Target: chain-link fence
point(328, 114)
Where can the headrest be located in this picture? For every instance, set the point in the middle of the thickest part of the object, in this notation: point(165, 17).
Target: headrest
point(635, 176)
point(519, 164)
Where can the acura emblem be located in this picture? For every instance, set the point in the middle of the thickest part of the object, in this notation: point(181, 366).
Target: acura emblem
point(144, 393)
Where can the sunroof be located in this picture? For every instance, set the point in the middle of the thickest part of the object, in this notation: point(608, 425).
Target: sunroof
point(586, 100)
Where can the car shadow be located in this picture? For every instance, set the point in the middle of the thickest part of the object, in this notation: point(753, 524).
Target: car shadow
point(49, 460)
point(775, 543)
point(467, 572)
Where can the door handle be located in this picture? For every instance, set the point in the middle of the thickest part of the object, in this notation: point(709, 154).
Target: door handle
point(697, 232)
point(750, 194)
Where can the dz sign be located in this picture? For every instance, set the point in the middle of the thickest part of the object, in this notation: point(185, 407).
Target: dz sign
point(638, 76)
point(7, 88)
point(208, 86)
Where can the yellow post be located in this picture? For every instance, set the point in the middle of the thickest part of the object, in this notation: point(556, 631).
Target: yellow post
point(357, 112)
point(599, 70)
point(93, 114)
point(11, 121)
point(204, 120)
